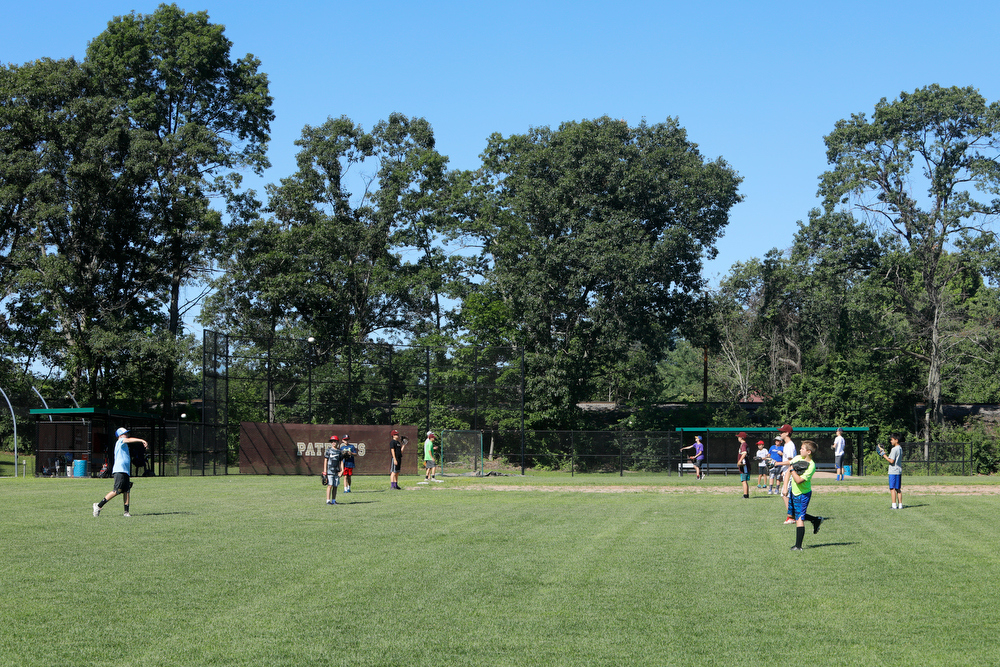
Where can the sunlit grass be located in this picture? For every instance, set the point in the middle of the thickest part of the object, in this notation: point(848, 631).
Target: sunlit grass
point(259, 571)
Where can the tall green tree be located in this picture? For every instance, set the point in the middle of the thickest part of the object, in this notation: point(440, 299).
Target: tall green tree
point(198, 119)
point(926, 167)
point(340, 265)
point(593, 234)
point(78, 282)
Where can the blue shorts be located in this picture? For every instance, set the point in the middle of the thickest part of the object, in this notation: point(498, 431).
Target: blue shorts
point(744, 477)
point(895, 482)
point(797, 505)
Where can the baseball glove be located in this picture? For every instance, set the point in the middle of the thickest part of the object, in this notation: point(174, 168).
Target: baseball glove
point(800, 466)
point(326, 480)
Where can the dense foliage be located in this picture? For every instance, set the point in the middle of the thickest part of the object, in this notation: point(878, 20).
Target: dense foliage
point(578, 249)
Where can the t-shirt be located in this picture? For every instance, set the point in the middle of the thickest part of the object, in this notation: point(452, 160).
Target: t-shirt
point(896, 466)
point(776, 452)
point(746, 457)
point(838, 445)
point(429, 450)
point(123, 457)
point(789, 451)
point(806, 485)
point(347, 453)
point(396, 450)
point(699, 448)
point(332, 460)
point(761, 454)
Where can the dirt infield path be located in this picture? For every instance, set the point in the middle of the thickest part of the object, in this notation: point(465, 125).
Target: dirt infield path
point(910, 490)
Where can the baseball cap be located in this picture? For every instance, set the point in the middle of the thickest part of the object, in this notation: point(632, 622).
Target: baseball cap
point(785, 428)
point(430, 433)
point(394, 433)
point(345, 437)
point(777, 438)
point(760, 442)
point(122, 431)
point(333, 438)
point(742, 434)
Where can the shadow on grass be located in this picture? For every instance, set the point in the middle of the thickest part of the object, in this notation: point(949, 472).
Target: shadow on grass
point(830, 544)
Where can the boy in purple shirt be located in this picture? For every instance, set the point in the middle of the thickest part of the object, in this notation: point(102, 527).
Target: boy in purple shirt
point(699, 455)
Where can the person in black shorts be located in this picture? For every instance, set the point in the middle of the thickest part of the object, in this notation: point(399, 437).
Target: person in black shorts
point(396, 446)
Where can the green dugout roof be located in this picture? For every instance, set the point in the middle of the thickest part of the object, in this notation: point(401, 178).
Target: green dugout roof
point(93, 412)
point(766, 429)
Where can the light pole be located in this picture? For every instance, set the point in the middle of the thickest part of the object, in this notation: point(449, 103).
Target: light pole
point(15, 427)
point(310, 340)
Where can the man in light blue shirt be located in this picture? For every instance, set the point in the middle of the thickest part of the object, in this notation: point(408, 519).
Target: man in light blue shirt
point(122, 470)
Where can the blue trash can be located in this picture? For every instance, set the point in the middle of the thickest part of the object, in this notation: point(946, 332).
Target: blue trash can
point(80, 468)
point(847, 471)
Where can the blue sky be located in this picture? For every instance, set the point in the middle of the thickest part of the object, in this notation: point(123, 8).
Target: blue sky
point(758, 84)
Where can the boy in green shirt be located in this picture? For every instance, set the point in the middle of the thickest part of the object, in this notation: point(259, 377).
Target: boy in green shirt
point(431, 452)
point(801, 472)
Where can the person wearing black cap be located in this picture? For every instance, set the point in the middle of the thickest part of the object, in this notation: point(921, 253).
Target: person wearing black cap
point(347, 454)
point(396, 447)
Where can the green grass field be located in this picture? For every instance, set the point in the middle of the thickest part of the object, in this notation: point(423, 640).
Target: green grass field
point(545, 570)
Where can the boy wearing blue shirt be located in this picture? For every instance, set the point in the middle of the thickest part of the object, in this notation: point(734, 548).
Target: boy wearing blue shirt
point(122, 470)
point(774, 454)
point(347, 453)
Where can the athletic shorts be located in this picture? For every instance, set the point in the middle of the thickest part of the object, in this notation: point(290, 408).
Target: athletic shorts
point(429, 463)
point(839, 462)
point(123, 483)
point(348, 471)
point(699, 460)
point(775, 473)
point(797, 505)
point(393, 467)
point(744, 477)
point(896, 482)
point(332, 480)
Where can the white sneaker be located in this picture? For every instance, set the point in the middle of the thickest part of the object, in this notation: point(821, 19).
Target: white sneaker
point(97, 510)
point(126, 514)
point(894, 506)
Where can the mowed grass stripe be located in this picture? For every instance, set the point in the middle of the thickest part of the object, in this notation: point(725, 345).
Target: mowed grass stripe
point(258, 570)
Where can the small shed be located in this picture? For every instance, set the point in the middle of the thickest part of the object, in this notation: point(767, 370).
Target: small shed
point(68, 435)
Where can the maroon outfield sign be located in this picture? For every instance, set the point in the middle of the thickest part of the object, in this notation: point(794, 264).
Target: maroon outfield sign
point(297, 449)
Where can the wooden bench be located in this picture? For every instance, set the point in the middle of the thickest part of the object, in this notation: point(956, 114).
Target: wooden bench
point(707, 468)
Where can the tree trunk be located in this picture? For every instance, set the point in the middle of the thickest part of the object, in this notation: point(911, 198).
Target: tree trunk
point(934, 414)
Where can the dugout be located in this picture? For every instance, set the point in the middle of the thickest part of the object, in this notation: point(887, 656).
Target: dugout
point(67, 435)
point(722, 447)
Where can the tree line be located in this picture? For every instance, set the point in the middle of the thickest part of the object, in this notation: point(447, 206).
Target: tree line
point(582, 245)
